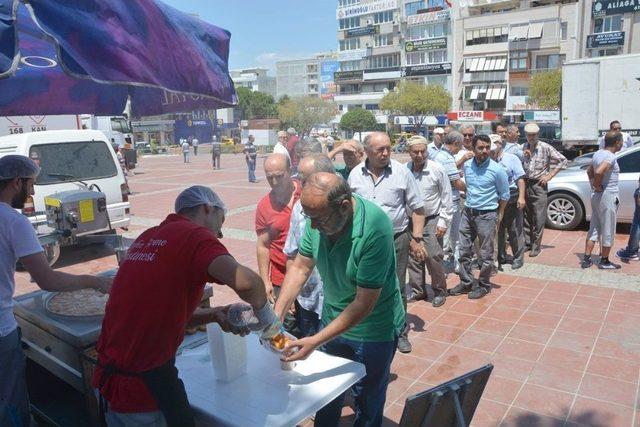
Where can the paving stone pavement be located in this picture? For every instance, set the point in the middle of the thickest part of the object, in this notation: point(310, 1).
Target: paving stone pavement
point(564, 342)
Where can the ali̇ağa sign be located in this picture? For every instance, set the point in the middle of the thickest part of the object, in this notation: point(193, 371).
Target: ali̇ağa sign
point(614, 7)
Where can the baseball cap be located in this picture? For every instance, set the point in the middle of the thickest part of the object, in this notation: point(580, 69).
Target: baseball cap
point(439, 131)
point(198, 195)
point(531, 128)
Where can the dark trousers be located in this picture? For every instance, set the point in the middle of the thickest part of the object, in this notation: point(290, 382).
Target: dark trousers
point(433, 263)
point(215, 157)
point(14, 400)
point(195, 150)
point(401, 243)
point(513, 227)
point(308, 321)
point(479, 225)
point(535, 214)
point(370, 392)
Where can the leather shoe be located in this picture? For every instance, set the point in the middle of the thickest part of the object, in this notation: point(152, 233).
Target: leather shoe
point(517, 264)
point(460, 289)
point(478, 292)
point(534, 252)
point(404, 346)
point(416, 297)
point(439, 299)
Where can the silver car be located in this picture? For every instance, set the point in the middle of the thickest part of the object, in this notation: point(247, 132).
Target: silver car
point(569, 199)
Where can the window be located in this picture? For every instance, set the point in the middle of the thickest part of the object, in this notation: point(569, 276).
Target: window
point(629, 163)
point(80, 160)
point(351, 65)
point(380, 17)
point(428, 31)
point(349, 44)
point(344, 3)
point(563, 30)
point(549, 62)
point(607, 24)
point(437, 80)
point(518, 61)
point(436, 3)
point(372, 107)
point(519, 91)
point(383, 40)
point(349, 88)
point(347, 23)
point(430, 57)
point(384, 61)
point(485, 63)
point(604, 52)
point(413, 7)
point(487, 35)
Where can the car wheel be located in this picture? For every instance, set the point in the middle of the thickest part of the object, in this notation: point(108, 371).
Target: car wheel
point(564, 212)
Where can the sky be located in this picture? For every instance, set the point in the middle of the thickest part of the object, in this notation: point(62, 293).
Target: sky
point(266, 31)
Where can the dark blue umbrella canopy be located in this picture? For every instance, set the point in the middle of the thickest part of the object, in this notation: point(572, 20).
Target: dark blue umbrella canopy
point(90, 56)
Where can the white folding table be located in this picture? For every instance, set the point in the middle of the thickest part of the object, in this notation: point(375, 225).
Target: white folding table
point(266, 395)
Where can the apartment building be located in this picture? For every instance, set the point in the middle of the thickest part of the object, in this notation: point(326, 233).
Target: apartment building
point(610, 27)
point(369, 53)
point(255, 79)
point(307, 77)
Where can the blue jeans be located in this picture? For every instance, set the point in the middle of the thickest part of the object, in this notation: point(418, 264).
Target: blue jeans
point(14, 401)
point(251, 163)
point(634, 235)
point(370, 392)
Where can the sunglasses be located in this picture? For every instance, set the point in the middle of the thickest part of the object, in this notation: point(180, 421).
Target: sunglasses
point(320, 221)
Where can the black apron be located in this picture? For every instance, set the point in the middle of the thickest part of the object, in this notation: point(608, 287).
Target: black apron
point(165, 387)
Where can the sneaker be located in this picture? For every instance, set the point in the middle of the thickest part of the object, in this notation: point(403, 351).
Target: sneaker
point(404, 346)
point(586, 263)
point(609, 266)
point(624, 255)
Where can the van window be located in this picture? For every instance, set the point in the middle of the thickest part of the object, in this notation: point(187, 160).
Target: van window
point(73, 161)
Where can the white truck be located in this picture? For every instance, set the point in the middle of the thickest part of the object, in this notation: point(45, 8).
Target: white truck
point(117, 129)
point(595, 92)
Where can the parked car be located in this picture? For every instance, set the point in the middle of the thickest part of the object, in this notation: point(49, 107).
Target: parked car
point(550, 133)
point(569, 202)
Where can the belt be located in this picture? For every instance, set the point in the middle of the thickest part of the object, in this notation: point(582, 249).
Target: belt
point(480, 211)
point(430, 217)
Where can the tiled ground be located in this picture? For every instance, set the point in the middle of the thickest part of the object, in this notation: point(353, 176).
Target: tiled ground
point(564, 353)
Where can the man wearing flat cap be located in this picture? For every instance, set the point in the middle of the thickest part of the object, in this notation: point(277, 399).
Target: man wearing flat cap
point(155, 297)
point(541, 163)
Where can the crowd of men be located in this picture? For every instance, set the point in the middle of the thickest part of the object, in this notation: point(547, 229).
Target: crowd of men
point(335, 246)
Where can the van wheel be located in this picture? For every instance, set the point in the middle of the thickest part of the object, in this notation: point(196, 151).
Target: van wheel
point(564, 212)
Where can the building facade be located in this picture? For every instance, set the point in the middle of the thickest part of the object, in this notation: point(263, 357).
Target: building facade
point(610, 27)
point(255, 79)
point(307, 77)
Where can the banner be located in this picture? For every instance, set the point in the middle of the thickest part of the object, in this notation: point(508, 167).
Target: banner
point(426, 70)
point(426, 44)
point(614, 7)
point(341, 76)
point(327, 84)
point(366, 8)
point(423, 18)
point(362, 31)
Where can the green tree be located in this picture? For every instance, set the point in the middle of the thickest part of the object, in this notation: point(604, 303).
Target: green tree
point(358, 120)
point(417, 100)
point(256, 105)
point(284, 98)
point(305, 112)
point(544, 89)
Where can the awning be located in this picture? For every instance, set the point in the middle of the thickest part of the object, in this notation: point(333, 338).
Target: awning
point(535, 30)
point(488, 92)
point(518, 33)
point(488, 63)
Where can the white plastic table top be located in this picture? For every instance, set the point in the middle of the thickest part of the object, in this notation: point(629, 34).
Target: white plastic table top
point(266, 395)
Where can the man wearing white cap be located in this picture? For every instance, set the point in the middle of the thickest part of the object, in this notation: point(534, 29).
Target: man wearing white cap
point(155, 297)
point(18, 242)
point(436, 144)
point(541, 163)
point(512, 221)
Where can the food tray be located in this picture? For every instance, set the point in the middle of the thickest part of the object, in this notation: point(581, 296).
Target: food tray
point(65, 317)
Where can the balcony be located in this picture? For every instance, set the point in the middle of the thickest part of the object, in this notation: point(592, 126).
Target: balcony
point(485, 76)
point(534, 71)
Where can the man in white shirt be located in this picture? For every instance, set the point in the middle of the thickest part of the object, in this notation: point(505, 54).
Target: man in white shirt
point(436, 144)
point(195, 143)
point(389, 184)
point(616, 126)
point(281, 145)
point(434, 184)
point(185, 151)
point(18, 242)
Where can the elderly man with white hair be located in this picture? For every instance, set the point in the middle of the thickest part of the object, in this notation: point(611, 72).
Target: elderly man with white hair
point(281, 145)
point(18, 242)
point(168, 266)
point(434, 185)
point(435, 145)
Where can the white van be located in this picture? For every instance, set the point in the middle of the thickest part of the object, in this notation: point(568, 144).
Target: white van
point(68, 158)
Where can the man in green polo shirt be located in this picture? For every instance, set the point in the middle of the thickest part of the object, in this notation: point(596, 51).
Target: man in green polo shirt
point(350, 241)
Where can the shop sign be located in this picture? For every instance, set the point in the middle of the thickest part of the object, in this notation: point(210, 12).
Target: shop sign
point(366, 8)
point(426, 44)
point(423, 18)
point(426, 69)
point(613, 38)
point(342, 76)
point(362, 31)
point(614, 7)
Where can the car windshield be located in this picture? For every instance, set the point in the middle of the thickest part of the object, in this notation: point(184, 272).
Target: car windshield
point(73, 161)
